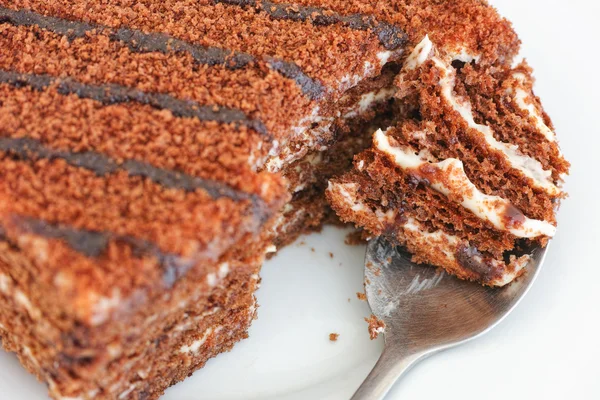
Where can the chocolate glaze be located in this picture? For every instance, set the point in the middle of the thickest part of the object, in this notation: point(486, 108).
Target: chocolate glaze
point(390, 36)
point(311, 87)
point(70, 29)
point(114, 94)
point(140, 42)
point(93, 244)
point(470, 258)
point(101, 165)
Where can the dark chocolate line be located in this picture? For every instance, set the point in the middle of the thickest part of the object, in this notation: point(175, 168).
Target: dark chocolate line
point(31, 149)
point(141, 42)
point(114, 94)
point(390, 36)
point(93, 244)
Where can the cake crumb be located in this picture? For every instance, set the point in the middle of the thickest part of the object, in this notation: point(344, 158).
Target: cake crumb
point(376, 326)
point(361, 296)
point(331, 254)
point(312, 249)
point(334, 337)
point(354, 239)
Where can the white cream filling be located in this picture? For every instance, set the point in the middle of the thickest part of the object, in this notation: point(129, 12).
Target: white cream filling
point(420, 54)
point(455, 183)
point(525, 103)
point(190, 322)
point(509, 276)
point(349, 81)
point(251, 311)
point(223, 270)
point(440, 240)
point(211, 279)
point(384, 57)
point(464, 56)
point(367, 101)
point(5, 284)
point(127, 392)
point(350, 198)
point(528, 166)
point(283, 223)
point(104, 306)
point(195, 346)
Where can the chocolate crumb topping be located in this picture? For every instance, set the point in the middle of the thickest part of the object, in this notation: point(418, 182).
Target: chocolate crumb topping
point(141, 42)
point(390, 36)
point(93, 244)
point(101, 165)
point(470, 258)
point(113, 94)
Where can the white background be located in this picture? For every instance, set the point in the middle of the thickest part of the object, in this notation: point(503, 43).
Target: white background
point(548, 348)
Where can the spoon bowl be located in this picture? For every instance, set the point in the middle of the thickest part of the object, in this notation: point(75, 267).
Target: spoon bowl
point(425, 310)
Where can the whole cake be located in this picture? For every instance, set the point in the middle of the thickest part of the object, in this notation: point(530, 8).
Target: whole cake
point(153, 153)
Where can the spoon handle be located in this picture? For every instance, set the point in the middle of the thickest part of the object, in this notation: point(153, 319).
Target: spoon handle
point(392, 364)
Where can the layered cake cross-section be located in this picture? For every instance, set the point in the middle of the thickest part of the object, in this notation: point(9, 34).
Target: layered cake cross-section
point(469, 177)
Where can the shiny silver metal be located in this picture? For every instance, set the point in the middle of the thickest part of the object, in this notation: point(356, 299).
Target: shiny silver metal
point(426, 310)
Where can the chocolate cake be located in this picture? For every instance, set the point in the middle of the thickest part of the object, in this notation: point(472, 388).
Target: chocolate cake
point(153, 153)
point(468, 178)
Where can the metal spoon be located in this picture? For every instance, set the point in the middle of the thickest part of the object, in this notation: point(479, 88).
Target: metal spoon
point(426, 310)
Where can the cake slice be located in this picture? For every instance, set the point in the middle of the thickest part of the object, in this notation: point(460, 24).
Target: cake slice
point(468, 178)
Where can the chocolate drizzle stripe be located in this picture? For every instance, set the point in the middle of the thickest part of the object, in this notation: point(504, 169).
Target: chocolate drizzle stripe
point(141, 42)
point(93, 244)
point(390, 36)
point(114, 94)
point(32, 149)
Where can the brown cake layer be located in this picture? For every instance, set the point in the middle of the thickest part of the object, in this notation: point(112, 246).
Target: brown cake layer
point(469, 177)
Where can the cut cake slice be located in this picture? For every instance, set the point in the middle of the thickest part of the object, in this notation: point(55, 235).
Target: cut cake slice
point(469, 177)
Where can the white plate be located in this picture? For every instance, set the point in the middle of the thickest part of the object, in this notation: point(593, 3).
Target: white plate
point(548, 347)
